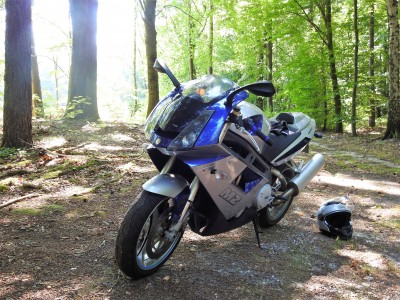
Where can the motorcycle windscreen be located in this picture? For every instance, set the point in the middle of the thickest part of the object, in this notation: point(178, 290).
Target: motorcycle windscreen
point(195, 97)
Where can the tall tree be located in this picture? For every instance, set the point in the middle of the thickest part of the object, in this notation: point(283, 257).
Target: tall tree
point(149, 19)
point(190, 41)
point(135, 92)
point(269, 46)
point(372, 102)
point(36, 86)
point(211, 38)
point(325, 9)
point(355, 82)
point(82, 94)
point(17, 123)
point(393, 124)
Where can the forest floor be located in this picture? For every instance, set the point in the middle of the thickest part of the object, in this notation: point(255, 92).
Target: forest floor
point(58, 243)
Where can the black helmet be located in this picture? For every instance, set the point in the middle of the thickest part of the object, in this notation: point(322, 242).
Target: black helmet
point(334, 218)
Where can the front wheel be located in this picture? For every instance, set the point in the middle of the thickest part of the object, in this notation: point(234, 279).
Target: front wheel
point(142, 246)
point(270, 216)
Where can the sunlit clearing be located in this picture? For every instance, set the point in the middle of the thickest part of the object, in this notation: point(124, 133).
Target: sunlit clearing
point(136, 168)
point(370, 258)
point(50, 142)
point(387, 187)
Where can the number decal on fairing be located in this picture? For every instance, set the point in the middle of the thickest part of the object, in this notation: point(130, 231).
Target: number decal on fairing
point(230, 196)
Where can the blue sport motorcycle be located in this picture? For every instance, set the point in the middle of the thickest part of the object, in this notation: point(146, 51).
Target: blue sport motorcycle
point(222, 164)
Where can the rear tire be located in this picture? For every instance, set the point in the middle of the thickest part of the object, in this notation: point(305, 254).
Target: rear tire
point(141, 246)
point(270, 216)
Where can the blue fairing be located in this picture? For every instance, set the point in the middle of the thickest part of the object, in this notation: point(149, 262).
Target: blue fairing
point(198, 161)
point(212, 130)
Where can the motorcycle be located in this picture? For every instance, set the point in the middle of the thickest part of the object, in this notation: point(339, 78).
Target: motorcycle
point(222, 164)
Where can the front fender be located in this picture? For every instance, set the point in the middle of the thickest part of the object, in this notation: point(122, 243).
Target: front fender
point(169, 185)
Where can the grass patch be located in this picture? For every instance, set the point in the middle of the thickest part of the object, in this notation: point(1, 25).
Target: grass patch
point(45, 210)
point(52, 175)
point(392, 224)
point(8, 152)
point(349, 163)
point(52, 209)
point(3, 188)
point(27, 211)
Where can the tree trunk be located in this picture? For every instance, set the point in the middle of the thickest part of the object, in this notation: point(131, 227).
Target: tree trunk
point(191, 44)
point(82, 94)
point(354, 94)
point(211, 41)
point(393, 124)
point(269, 71)
point(332, 65)
point(55, 63)
point(135, 94)
point(372, 102)
point(325, 8)
point(38, 110)
point(17, 123)
point(149, 18)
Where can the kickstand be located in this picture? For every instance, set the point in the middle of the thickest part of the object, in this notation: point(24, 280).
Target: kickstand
point(257, 230)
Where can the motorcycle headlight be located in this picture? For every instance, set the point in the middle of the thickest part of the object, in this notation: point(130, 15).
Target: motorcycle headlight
point(188, 137)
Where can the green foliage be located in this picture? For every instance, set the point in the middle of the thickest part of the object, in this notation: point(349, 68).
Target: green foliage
point(74, 108)
point(300, 58)
point(3, 188)
point(8, 152)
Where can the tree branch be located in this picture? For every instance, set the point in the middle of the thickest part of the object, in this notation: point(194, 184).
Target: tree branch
point(311, 22)
point(8, 203)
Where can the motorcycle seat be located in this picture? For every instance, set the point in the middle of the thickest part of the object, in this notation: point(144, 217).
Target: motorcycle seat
point(280, 143)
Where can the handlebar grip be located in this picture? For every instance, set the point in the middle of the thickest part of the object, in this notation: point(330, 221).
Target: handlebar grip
point(264, 137)
point(249, 125)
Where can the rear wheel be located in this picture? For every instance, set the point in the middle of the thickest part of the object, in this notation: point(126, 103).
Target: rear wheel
point(142, 246)
point(270, 216)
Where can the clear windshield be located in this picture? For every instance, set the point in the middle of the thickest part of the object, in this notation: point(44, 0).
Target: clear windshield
point(208, 87)
point(175, 112)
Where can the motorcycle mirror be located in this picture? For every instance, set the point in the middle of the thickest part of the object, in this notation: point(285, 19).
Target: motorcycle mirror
point(161, 67)
point(260, 88)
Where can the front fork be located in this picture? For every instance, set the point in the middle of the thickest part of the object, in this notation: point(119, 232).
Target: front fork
point(180, 218)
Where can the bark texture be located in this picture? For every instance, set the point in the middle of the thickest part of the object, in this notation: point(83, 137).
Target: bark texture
point(17, 123)
point(393, 124)
point(149, 18)
point(82, 95)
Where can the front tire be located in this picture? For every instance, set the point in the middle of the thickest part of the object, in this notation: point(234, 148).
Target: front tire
point(141, 246)
point(270, 216)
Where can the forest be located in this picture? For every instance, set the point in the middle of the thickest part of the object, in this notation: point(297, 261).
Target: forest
point(77, 84)
point(334, 60)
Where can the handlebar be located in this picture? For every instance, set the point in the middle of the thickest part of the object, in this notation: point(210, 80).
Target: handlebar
point(249, 126)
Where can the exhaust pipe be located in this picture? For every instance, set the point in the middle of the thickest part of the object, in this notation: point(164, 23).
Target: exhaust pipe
point(299, 182)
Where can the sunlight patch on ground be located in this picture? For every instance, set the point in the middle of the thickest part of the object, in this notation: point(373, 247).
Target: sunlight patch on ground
point(119, 137)
point(370, 258)
point(131, 166)
point(387, 187)
point(74, 191)
point(324, 285)
point(144, 169)
point(127, 167)
point(51, 142)
point(97, 147)
point(90, 128)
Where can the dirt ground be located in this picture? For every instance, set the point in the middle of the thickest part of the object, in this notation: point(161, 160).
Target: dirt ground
point(58, 243)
